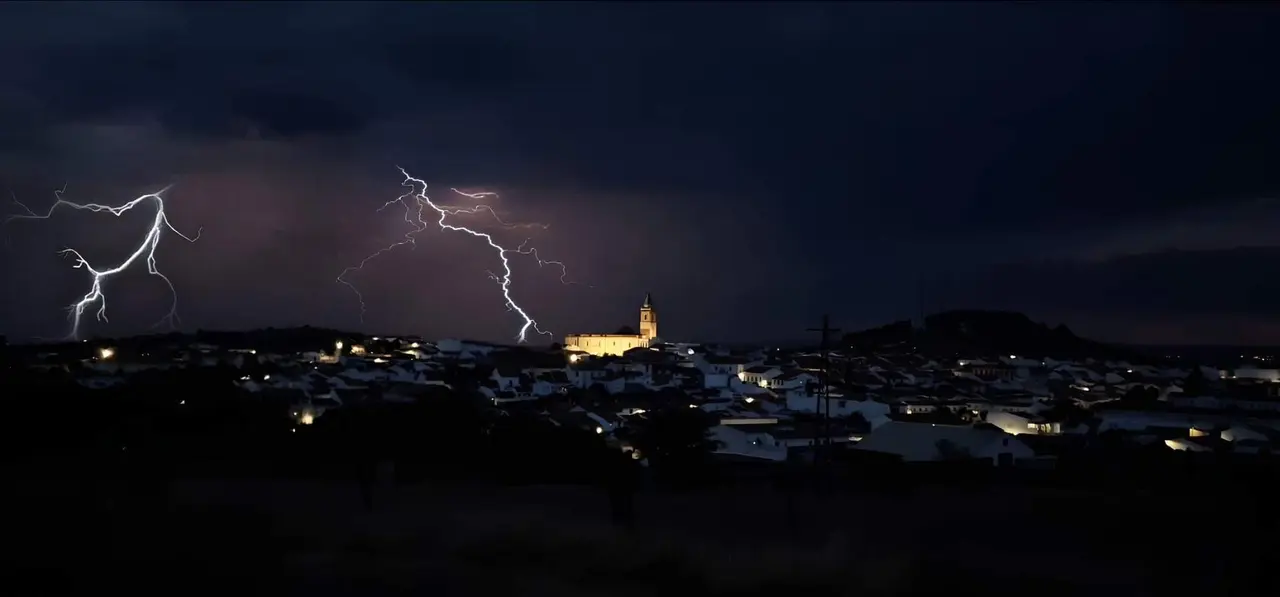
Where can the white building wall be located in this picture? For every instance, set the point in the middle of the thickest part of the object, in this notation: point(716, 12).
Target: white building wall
point(604, 344)
point(874, 412)
point(742, 441)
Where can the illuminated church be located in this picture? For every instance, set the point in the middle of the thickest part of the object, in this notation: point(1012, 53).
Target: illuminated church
point(616, 344)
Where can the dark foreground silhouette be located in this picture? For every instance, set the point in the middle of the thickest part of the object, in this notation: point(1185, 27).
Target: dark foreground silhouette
point(174, 484)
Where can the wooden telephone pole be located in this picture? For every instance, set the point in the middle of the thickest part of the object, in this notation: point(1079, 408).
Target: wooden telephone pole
point(822, 435)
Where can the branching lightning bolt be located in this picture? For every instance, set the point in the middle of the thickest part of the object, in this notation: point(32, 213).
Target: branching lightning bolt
point(146, 251)
point(453, 209)
point(564, 270)
point(416, 203)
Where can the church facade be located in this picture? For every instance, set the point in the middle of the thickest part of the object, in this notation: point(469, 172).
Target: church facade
point(616, 344)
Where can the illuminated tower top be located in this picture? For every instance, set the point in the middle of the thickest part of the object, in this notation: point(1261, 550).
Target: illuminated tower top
point(648, 318)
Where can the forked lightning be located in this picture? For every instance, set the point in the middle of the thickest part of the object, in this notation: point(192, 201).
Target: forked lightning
point(146, 250)
point(416, 203)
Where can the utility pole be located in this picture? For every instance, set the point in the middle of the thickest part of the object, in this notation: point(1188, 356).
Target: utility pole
point(822, 435)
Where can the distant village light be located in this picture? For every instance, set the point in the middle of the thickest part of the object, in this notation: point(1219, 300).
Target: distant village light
point(599, 430)
point(106, 353)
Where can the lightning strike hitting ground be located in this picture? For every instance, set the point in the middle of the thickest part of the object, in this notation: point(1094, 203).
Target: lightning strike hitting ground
point(146, 250)
point(415, 218)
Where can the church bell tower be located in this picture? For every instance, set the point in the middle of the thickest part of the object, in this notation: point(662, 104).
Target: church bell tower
point(648, 319)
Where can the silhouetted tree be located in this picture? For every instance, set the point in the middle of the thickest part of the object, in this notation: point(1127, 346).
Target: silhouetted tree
point(528, 448)
point(622, 479)
point(946, 416)
point(1141, 396)
point(1068, 413)
point(676, 442)
point(1195, 383)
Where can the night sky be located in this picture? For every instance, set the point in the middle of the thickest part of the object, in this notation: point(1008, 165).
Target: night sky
point(1111, 166)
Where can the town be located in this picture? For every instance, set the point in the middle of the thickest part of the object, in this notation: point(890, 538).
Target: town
point(716, 444)
point(1008, 409)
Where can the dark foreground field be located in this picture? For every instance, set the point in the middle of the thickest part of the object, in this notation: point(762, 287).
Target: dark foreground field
point(315, 538)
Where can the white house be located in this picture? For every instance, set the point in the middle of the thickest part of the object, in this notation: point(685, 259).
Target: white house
point(791, 380)
point(759, 375)
point(584, 376)
point(613, 384)
point(716, 380)
point(1251, 439)
point(546, 384)
point(713, 364)
point(753, 441)
point(1236, 433)
point(874, 412)
point(1015, 423)
point(507, 396)
point(1184, 444)
point(507, 379)
point(924, 442)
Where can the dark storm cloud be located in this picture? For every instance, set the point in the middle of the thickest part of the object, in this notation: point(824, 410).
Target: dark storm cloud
point(857, 147)
point(195, 85)
point(852, 101)
point(1229, 281)
point(1153, 296)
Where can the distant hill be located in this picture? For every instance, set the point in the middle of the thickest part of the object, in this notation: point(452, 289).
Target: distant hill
point(981, 333)
point(1206, 354)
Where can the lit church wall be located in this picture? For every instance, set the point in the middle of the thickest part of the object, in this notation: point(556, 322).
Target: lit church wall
point(616, 344)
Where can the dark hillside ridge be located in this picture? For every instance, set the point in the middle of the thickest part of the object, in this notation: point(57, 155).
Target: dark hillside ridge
point(974, 333)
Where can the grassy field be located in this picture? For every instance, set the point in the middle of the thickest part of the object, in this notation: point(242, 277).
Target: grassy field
point(296, 537)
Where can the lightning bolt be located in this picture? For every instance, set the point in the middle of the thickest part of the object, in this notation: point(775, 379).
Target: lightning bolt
point(416, 203)
point(564, 270)
point(453, 209)
point(146, 251)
